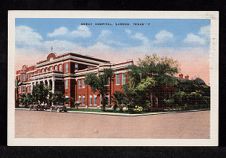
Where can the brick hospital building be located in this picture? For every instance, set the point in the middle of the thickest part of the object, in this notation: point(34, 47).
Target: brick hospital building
point(66, 73)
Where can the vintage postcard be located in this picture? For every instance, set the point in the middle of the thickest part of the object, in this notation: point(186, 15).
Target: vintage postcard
point(113, 78)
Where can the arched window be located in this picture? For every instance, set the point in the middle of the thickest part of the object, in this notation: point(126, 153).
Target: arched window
point(60, 68)
point(55, 68)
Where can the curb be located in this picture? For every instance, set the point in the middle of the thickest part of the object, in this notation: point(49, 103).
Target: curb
point(123, 114)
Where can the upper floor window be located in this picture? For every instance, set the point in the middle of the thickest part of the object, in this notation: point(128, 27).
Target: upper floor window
point(66, 68)
point(79, 84)
point(55, 68)
point(123, 78)
point(117, 77)
point(60, 68)
point(23, 88)
point(76, 66)
point(66, 84)
point(83, 83)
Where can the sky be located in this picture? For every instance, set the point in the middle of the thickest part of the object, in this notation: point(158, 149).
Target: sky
point(117, 40)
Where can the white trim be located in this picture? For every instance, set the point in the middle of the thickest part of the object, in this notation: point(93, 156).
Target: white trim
point(68, 57)
point(120, 72)
point(71, 78)
point(80, 77)
point(47, 75)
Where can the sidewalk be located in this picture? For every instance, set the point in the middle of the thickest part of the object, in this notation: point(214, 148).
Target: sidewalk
point(122, 114)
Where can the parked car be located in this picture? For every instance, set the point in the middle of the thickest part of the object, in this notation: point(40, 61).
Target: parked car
point(38, 107)
point(58, 108)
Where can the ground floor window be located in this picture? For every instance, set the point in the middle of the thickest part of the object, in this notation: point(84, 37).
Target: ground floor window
point(100, 99)
point(79, 99)
point(95, 100)
point(83, 100)
point(90, 100)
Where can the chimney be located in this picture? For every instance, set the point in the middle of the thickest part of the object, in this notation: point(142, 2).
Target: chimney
point(187, 77)
point(181, 76)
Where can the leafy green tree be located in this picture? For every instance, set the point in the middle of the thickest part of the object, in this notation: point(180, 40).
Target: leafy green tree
point(99, 83)
point(198, 92)
point(58, 98)
point(119, 99)
point(26, 99)
point(161, 70)
point(180, 98)
point(40, 93)
point(145, 88)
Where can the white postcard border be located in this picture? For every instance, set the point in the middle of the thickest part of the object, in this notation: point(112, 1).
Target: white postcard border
point(214, 78)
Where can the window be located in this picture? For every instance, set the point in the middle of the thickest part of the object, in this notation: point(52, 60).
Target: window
point(83, 100)
point(79, 84)
point(66, 84)
point(60, 68)
point(117, 79)
point(79, 99)
point(90, 99)
point(95, 100)
point(55, 68)
point(83, 83)
point(66, 68)
point(23, 77)
point(76, 66)
point(23, 89)
point(100, 99)
point(123, 79)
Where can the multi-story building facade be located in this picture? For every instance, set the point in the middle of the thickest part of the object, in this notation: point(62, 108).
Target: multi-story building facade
point(66, 73)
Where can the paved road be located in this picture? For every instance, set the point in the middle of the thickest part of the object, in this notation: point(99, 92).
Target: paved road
point(36, 124)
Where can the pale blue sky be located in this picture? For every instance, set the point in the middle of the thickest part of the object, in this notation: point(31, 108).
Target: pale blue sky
point(173, 32)
point(186, 40)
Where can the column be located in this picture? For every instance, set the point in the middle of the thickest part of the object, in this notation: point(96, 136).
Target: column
point(48, 83)
point(31, 87)
point(53, 85)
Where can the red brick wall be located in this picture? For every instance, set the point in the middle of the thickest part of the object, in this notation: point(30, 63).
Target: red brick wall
point(87, 91)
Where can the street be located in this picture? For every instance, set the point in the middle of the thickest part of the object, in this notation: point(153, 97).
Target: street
point(184, 125)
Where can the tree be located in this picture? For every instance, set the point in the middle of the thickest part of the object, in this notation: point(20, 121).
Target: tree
point(40, 94)
point(119, 99)
point(99, 83)
point(197, 91)
point(159, 70)
point(26, 99)
point(58, 98)
point(145, 87)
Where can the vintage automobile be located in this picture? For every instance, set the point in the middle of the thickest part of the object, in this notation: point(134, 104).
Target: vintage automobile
point(38, 107)
point(58, 108)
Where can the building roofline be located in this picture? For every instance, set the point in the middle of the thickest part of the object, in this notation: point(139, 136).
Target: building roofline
point(76, 55)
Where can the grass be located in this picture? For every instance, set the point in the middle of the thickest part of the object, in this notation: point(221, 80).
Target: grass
point(95, 110)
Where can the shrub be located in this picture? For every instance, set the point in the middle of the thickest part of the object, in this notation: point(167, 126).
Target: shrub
point(138, 109)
